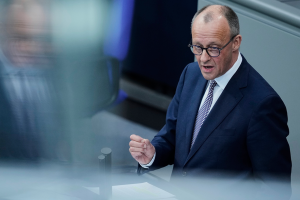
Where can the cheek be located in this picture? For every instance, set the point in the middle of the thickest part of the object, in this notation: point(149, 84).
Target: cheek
point(220, 63)
point(198, 61)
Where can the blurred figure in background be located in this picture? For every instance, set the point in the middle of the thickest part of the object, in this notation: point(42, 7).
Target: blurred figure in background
point(27, 93)
point(53, 74)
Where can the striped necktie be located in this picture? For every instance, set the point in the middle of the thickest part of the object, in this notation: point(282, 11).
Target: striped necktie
point(204, 110)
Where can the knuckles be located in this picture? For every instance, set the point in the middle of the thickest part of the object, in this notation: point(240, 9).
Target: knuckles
point(130, 143)
point(136, 144)
point(134, 149)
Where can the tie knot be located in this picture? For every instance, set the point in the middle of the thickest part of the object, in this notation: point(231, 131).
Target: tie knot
point(213, 83)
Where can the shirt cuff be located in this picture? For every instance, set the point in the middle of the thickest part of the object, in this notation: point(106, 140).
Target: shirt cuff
point(150, 163)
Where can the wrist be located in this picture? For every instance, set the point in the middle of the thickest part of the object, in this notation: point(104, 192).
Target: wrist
point(150, 163)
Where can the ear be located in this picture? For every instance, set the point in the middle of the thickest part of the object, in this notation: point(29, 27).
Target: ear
point(236, 42)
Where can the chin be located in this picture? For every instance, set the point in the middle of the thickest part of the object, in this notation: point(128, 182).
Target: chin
point(208, 77)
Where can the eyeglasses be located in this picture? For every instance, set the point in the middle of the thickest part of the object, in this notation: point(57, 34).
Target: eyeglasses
point(211, 51)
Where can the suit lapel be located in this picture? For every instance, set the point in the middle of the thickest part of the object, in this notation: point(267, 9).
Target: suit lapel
point(228, 100)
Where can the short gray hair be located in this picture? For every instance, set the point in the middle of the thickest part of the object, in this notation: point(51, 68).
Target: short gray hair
point(228, 13)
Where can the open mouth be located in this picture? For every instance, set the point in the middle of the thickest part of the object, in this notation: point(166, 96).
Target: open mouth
point(208, 67)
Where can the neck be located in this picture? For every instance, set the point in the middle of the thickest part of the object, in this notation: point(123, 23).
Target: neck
point(235, 56)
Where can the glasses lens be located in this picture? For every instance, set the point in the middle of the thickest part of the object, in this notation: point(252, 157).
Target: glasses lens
point(213, 51)
point(196, 49)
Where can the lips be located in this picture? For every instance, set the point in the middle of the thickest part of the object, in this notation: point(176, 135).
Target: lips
point(207, 68)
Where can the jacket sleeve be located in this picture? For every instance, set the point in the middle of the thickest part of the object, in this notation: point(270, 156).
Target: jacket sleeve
point(164, 141)
point(268, 147)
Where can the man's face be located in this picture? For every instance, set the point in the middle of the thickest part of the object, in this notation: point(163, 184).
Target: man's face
point(215, 33)
point(27, 34)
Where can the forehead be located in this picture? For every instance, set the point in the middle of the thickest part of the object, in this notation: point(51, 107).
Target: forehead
point(27, 20)
point(215, 31)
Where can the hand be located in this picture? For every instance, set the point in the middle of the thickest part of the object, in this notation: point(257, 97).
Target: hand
point(141, 149)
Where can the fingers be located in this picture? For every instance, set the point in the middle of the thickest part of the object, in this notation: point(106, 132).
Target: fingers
point(137, 144)
point(136, 138)
point(146, 141)
point(147, 144)
point(136, 154)
point(139, 139)
point(141, 149)
point(134, 149)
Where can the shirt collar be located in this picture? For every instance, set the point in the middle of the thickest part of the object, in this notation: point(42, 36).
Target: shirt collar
point(225, 78)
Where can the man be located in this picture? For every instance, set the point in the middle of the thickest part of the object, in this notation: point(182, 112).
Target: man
point(27, 94)
point(225, 120)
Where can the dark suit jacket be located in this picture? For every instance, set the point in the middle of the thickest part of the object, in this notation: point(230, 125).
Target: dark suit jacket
point(19, 144)
point(244, 135)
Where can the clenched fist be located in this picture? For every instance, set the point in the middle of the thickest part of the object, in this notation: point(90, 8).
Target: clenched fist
point(141, 149)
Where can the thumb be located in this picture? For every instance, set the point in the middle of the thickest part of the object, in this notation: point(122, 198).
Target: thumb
point(147, 142)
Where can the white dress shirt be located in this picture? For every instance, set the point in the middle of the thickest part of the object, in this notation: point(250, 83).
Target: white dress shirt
point(222, 81)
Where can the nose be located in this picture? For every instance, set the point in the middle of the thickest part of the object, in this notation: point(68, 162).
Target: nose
point(204, 57)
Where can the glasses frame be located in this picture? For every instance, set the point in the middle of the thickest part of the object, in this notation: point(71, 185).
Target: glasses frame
point(220, 49)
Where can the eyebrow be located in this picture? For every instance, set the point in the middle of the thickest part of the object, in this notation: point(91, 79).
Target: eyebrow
point(209, 44)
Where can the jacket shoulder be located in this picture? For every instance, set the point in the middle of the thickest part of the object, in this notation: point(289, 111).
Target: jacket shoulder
point(254, 82)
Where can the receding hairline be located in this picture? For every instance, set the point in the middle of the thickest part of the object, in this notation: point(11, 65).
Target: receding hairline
point(210, 14)
point(208, 17)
